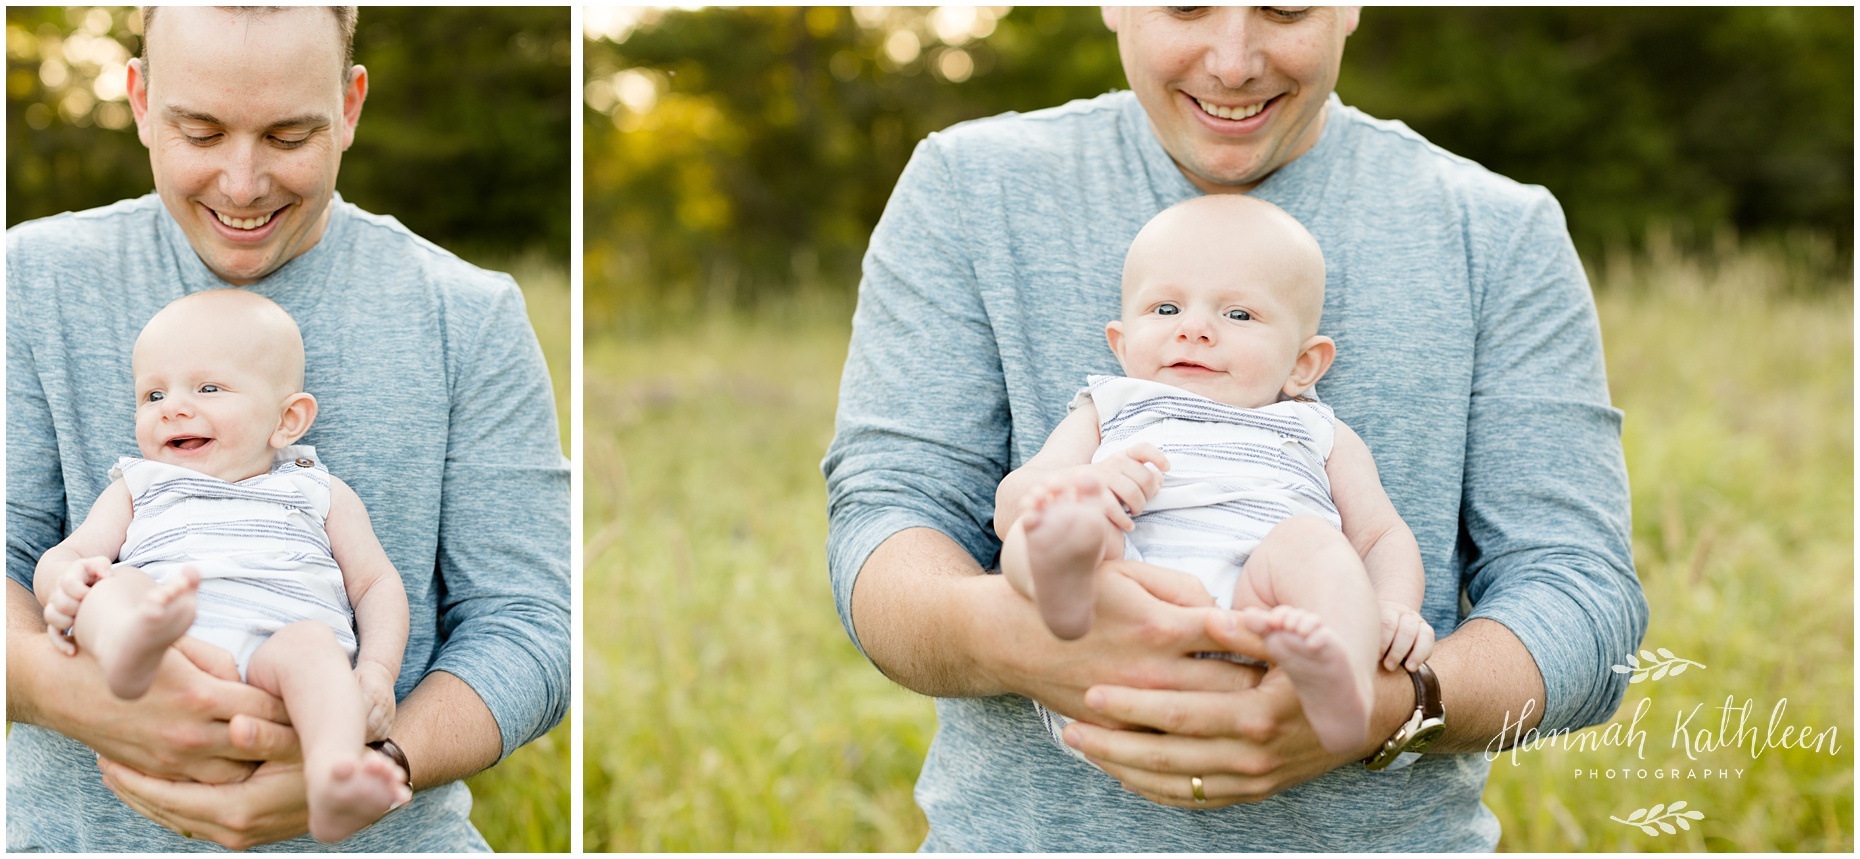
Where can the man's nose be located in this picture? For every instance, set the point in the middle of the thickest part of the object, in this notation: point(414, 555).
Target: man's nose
point(1235, 56)
point(243, 178)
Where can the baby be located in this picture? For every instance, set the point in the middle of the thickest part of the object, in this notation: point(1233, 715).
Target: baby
point(1206, 457)
point(226, 531)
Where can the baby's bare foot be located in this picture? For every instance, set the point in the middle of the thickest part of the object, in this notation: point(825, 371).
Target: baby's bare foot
point(131, 653)
point(1065, 541)
point(1335, 695)
point(352, 794)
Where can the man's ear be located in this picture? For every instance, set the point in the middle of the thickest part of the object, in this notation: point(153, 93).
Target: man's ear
point(353, 95)
point(1114, 334)
point(1110, 17)
point(1352, 15)
point(1313, 361)
point(299, 414)
point(138, 83)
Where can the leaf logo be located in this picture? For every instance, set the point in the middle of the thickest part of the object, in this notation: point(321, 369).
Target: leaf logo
point(1646, 819)
point(1651, 667)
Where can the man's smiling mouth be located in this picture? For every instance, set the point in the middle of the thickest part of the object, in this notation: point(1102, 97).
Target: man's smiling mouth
point(244, 223)
point(1232, 113)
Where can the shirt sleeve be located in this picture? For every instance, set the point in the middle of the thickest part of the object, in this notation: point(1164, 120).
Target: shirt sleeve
point(35, 489)
point(504, 532)
point(1546, 504)
point(921, 435)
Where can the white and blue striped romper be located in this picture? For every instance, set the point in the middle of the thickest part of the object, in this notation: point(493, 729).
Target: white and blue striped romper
point(1233, 474)
point(259, 545)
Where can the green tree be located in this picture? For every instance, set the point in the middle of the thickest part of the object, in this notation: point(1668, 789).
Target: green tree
point(733, 153)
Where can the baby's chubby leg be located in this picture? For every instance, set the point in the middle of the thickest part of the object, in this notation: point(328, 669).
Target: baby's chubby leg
point(1052, 553)
point(127, 620)
point(1305, 591)
point(350, 786)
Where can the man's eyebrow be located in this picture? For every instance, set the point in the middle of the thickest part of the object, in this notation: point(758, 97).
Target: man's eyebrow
point(308, 120)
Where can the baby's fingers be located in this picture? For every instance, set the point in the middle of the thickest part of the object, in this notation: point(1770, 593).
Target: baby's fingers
point(1143, 451)
point(1402, 643)
point(1423, 647)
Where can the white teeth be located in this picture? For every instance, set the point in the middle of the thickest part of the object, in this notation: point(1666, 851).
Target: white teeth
point(1230, 112)
point(245, 223)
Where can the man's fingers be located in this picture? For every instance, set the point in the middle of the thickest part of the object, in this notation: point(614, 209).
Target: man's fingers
point(212, 660)
point(1170, 586)
point(1191, 714)
point(263, 740)
point(1233, 636)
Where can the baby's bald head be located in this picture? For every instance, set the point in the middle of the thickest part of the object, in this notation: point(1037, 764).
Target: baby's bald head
point(247, 326)
point(1221, 235)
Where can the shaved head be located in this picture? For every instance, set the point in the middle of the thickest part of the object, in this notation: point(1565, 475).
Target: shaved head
point(1236, 233)
point(255, 326)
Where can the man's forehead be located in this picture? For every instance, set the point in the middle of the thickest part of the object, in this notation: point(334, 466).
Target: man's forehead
point(302, 34)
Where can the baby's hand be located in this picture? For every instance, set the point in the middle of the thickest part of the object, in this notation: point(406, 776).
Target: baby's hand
point(1130, 482)
point(377, 697)
point(1407, 640)
point(73, 585)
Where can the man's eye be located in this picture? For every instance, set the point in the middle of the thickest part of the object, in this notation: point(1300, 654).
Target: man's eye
point(289, 143)
point(1167, 310)
point(209, 389)
point(1239, 315)
point(200, 139)
point(1287, 13)
point(1185, 11)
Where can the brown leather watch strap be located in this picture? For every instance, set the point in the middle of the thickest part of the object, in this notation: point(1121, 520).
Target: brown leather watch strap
point(393, 751)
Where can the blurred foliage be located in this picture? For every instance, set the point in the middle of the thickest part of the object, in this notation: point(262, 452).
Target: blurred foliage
point(464, 137)
point(733, 153)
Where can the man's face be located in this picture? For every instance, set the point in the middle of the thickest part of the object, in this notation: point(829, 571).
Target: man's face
point(1233, 93)
point(246, 117)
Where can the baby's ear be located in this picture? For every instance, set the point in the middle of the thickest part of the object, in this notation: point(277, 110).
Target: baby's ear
point(299, 414)
point(1313, 361)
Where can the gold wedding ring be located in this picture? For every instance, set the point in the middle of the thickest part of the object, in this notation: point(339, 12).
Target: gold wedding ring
point(1194, 783)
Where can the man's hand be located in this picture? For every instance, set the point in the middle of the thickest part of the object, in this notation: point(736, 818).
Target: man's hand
point(269, 806)
point(1244, 744)
point(73, 585)
point(377, 697)
point(182, 728)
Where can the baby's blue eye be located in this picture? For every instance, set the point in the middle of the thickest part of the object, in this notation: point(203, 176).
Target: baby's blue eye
point(1239, 315)
point(1167, 310)
point(209, 389)
point(155, 395)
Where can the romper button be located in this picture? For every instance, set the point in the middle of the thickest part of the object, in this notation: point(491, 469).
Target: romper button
point(304, 463)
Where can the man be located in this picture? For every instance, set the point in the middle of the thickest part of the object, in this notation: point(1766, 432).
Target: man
point(435, 408)
point(1468, 358)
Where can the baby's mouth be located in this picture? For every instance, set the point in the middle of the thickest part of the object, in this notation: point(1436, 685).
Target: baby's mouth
point(1191, 367)
point(192, 442)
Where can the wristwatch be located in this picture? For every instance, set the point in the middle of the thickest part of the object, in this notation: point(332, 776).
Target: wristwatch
point(1425, 726)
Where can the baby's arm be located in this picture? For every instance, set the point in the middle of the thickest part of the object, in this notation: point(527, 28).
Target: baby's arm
point(1069, 450)
point(66, 571)
point(1388, 549)
point(379, 600)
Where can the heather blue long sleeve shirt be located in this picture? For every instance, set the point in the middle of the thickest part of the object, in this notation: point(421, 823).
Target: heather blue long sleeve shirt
point(434, 405)
point(1468, 358)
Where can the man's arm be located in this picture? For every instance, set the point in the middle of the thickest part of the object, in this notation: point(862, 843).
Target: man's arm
point(503, 538)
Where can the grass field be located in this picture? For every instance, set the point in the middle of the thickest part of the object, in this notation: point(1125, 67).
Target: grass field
point(727, 711)
point(522, 803)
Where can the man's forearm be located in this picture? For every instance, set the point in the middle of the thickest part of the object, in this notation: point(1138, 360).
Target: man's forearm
point(25, 619)
point(913, 606)
point(1487, 681)
point(446, 731)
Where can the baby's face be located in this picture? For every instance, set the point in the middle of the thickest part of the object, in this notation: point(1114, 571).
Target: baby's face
point(208, 403)
point(1224, 318)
